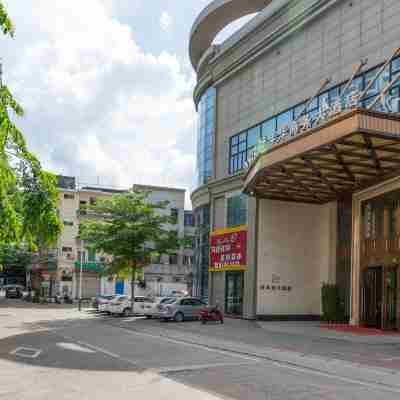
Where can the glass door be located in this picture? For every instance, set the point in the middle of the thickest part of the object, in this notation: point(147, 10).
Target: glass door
point(234, 293)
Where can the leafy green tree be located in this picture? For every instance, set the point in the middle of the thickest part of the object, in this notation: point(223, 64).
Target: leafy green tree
point(131, 230)
point(28, 194)
point(14, 259)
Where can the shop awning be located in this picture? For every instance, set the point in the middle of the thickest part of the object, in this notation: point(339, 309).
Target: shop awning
point(350, 152)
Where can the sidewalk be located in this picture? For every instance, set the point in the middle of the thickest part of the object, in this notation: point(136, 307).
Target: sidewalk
point(318, 330)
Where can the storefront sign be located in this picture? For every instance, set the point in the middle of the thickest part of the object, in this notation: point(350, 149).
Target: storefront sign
point(228, 251)
point(388, 103)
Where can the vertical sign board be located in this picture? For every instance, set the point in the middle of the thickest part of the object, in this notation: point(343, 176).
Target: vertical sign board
point(228, 250)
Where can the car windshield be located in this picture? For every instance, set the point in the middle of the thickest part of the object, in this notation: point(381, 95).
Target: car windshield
point(169, 301)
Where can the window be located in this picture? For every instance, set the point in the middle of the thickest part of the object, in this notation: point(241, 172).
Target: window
point(173, 259)
point(174, 215)
point(205, 137)
point(268, 129)
point(82, 255)
point(189, 219)
point(368, 221)
point(91, 255)
point(392, 220)
point(68, 223)
point(237, 211)
point(187, 260)
point(69, 196)
point(66, 249)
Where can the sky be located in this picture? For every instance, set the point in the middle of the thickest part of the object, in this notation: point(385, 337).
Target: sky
point(107, 87)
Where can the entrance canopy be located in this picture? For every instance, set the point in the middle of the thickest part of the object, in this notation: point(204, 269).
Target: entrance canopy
point(355, 150)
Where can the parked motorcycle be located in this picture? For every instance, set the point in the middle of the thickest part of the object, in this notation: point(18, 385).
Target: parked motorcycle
point(211, 314)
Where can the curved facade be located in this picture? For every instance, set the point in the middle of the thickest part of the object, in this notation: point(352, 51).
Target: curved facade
point(215, 17)
point(304, 161)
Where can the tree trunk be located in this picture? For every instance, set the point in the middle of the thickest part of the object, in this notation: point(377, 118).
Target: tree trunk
point(133, 289)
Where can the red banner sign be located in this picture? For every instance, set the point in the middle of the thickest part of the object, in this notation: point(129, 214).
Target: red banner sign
point(228, 250)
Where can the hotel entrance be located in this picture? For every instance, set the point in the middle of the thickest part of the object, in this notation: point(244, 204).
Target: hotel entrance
point(379, 298)
point(234, 293)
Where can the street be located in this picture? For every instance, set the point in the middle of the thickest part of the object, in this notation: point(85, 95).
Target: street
point(50, 351)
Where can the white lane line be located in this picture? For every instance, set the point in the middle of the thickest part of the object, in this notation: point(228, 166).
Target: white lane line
point(183, 368)
point(98, 349)
point(26, 352)
point(75, 347)
point(198, 346)
point(379, 386)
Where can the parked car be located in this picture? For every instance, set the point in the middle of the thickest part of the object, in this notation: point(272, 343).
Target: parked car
point(181, 308)
point(154, 311)
point(121, 305)
point(14, 291)
point(104, 303)
point(101, 299)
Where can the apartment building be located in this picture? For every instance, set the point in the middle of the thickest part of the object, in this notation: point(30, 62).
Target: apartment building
point(61, 270)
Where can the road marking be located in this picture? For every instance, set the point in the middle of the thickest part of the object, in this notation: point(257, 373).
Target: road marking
point(198, 346)
point(26, 352)
point(166, 370)
point(75, 347)
point(97, 348)
point(372, 385)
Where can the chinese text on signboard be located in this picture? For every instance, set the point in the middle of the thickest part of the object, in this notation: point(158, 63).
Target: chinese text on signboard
point(228, 250)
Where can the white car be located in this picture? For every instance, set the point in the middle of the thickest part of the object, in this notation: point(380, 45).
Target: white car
point(154, 311)
point(102, 306)
point(121, 305)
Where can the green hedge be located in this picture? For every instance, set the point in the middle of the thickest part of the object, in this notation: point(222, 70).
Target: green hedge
point(331, 306)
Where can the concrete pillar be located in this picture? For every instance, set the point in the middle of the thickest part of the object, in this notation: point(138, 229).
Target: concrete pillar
point(250, 276)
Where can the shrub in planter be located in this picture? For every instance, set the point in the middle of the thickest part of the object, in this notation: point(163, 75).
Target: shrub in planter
point(331, 309)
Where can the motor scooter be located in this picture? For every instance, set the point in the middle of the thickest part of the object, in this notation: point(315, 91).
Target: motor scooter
point(211, 314)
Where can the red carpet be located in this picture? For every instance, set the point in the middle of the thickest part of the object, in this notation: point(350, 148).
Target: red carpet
point(358, 330)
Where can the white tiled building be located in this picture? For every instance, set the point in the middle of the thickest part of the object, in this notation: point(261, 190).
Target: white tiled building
point(59, 272)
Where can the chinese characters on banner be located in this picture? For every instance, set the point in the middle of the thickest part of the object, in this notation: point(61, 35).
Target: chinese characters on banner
point(228, 250)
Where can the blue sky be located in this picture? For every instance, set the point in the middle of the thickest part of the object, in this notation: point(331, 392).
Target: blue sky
point(107, 87)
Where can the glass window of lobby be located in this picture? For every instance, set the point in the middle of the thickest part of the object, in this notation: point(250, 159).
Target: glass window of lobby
point(244, 143)
point(205, 137)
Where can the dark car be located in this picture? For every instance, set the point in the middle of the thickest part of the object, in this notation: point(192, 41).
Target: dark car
point(13, 291)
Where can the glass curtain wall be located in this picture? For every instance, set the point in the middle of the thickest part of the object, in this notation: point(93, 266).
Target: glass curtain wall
point(205, 137)
point(202, 251)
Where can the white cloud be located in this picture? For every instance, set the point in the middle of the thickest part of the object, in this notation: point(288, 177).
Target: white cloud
point(96, 103)
point(166, 21)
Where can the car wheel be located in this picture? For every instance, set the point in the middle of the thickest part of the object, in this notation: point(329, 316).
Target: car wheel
point(126, 312)
point(203, 321)
point(165, 319)
point(179, 317)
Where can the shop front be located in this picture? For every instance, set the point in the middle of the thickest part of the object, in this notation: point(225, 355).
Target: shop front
point(228, 263)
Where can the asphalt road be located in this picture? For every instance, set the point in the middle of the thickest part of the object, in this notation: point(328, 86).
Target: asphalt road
point(51, 352)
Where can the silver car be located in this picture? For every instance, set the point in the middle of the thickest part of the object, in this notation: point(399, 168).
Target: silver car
point(181, 308)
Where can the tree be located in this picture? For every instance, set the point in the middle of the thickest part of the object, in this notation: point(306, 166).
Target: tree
point(28, 194)
point(14, 259)
point(131, 230)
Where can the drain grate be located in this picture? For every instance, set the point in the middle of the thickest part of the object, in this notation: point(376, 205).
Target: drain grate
point(26, 352)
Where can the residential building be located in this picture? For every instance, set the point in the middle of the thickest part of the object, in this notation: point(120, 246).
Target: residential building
point(60, 270)
point(297, 154)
